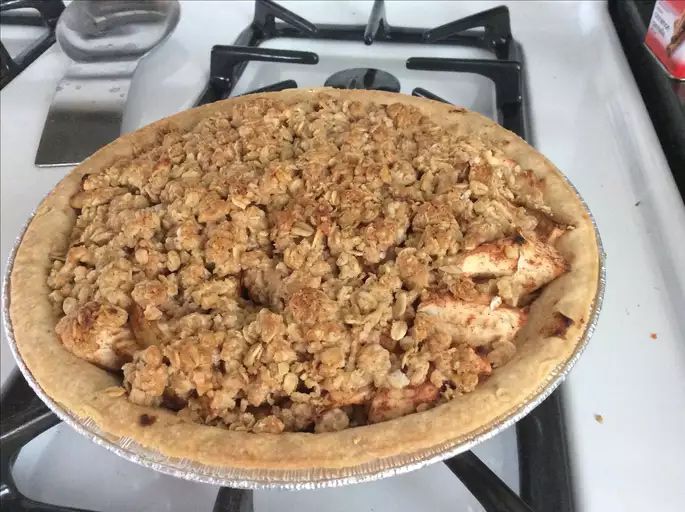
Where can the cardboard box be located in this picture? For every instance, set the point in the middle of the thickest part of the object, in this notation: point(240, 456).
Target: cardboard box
point(666, 36)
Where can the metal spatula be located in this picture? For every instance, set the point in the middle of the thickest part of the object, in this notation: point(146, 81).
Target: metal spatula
point(106, 39)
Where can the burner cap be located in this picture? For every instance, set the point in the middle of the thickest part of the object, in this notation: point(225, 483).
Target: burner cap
point(364, 78)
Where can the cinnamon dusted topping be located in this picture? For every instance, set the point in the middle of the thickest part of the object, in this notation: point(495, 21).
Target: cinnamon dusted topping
point(304, 267)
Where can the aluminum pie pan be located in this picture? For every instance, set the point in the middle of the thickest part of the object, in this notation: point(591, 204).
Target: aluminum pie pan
point(302, 479)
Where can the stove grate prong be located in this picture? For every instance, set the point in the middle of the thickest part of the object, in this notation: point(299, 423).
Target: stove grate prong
point(24, 417)
point(234, 500)
point(377, 23)
point(420, 92)
point(490, 491)
point(265, 14)
point(278, 86)
point(227, 64)
point(48, 13)
point(506, 74)
point(495, 22)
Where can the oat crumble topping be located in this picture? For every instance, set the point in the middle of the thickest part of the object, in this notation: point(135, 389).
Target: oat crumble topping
point(304, 267)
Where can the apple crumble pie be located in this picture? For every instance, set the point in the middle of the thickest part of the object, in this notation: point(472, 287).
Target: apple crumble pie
point(305, 266)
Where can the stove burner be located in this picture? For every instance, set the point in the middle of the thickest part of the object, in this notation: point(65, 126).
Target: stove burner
point(363, 78)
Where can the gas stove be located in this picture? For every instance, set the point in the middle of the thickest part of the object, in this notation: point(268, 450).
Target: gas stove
point(573, 97)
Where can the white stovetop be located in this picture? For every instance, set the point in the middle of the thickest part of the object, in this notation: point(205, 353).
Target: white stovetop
point(588, 118)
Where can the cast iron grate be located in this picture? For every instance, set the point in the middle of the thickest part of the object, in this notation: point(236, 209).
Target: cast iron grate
point(13, 12)
point(544, 470)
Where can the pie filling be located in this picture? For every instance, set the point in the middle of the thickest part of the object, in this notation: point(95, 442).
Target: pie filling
point(304, 267)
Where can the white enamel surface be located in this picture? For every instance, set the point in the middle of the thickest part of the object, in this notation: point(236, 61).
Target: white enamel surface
point(17, 39)
point(587, 117)
point(61, 467)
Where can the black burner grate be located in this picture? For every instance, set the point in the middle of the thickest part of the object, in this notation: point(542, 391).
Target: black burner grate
point(48, 12)
point(544, 468)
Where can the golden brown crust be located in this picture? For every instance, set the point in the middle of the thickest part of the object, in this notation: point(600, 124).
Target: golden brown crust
point(538, 360)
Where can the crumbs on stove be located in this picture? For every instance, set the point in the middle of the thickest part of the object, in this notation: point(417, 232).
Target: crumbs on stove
point(652, 335)
point(599, 418)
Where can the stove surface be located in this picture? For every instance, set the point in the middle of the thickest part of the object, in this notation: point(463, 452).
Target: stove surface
point(587, 117)
point(459, 88)
point(53, 469)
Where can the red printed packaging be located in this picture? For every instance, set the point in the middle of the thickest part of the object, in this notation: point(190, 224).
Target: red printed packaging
point(666, 36)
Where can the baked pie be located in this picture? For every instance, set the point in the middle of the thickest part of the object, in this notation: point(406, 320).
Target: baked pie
point(304, 261)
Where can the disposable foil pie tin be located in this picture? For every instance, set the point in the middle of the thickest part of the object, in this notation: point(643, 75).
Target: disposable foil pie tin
point(306, 478)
